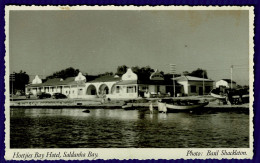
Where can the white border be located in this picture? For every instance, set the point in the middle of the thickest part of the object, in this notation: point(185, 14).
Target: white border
point(130, 153)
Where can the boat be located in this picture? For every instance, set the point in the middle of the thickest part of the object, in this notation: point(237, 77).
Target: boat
point(128, 106)
point(181, 104)
point(218, 96)
point(86, 111)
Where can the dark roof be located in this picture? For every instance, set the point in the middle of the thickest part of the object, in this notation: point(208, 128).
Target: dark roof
point(91, 77)
point(106, 78)
point(228, 80)
point(56, 81)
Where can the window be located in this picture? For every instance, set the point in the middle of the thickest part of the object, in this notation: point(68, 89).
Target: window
point(193, 89)
point(130, 89)
point(80, 91)
point(145, 88)
point(52, 89)
point(117, 89)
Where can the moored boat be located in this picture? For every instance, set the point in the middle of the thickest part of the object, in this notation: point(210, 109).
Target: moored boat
point(86, 111)
point(218, 96)
point(217, 93)
point(182, 105)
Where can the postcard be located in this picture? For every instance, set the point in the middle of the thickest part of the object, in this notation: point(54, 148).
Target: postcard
point(129, 82)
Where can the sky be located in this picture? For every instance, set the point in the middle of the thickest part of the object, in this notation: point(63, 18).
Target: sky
point(96, 41)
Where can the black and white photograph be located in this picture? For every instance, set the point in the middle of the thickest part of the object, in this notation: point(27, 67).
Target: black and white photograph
point(107, 82)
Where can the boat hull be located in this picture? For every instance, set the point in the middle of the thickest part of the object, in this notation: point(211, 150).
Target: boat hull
point(185, 107)
point(172, 107)
point(218, 96)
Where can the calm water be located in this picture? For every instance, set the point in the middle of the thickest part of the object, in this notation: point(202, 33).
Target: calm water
point(105, 128)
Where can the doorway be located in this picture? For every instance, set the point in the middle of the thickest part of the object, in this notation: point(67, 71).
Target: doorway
point(200, 91)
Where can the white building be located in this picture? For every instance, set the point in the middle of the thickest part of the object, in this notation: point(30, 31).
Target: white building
point(191, 86)
point(73, 87)
point(127, 86)
point(226, 83)
point(102, 86)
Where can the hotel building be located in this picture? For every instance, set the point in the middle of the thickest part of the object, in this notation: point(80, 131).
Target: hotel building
point(127, 86)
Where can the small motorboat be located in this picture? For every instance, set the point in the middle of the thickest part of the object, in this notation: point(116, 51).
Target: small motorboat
point(218, 96)
point(86, 111)
point(181, 105)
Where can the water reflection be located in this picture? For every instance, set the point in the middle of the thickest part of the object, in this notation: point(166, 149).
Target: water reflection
point(105, 128)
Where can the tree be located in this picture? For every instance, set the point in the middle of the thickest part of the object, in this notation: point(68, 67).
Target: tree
point(68, 72)
point(20, 80)
point(143, 73)
point(106, 74)
point(135, 69)
point(199, 73)
point(121, 70)
point(185, 73)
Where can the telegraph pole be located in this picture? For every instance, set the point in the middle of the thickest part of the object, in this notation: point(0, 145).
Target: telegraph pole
point(173, 70)
point(12, 79)
point(203, 83)
point(231, 69)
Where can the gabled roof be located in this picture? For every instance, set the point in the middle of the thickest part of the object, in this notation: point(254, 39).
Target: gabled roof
point(56, 82)
point(106, 78)
point(191, 78)
point(228, 80)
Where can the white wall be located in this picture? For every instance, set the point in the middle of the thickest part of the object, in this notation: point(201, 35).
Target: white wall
point(123, 92)
point(224, 83)
point(129, 75)
point(187, 87)
point(36, 80)
point(199, 84)
point(152, 89)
